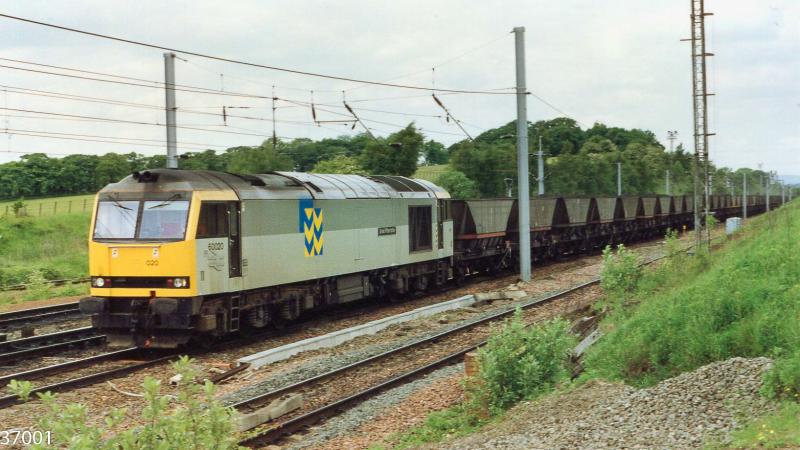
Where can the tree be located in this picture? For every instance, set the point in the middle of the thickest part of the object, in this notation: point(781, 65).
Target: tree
point(396, 155)
point(435, 153)
point(205, 160)
point(486, 164)
point(261, 159)
point(340, 164)
point(458, 184)
point(111, 168)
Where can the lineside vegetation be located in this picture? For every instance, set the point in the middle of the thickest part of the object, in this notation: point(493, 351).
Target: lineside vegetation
point(34, 250)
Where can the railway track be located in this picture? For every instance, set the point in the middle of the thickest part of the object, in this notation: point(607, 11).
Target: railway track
point(84, 380)
point(13, 319)
point(319, 412)
point(319, 382)
point(24, 348)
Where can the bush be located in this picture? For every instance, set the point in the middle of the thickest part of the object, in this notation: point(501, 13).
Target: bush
point(520, 362)
point(621, 271)
point(38, 287)
point(197, 420)
point(19, 207)
point(783, 380)
point(458, 184)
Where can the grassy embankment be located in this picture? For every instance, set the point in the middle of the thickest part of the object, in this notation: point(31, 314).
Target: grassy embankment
point(430, 173)
point(35, 249)
point(741, 300)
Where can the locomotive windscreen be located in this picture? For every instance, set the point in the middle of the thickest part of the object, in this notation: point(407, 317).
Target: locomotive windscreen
point(160, 220)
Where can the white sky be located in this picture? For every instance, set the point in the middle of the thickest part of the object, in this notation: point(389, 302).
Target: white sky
point(618, 62)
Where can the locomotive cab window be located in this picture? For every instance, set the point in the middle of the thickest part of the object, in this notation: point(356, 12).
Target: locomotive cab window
point(419, 228)
point(213, 220)
point(163, 220)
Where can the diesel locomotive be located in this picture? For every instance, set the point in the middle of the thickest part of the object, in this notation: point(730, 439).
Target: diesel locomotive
point(179, 255)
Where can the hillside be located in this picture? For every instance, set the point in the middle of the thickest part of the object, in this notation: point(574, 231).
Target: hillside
point(33, 249)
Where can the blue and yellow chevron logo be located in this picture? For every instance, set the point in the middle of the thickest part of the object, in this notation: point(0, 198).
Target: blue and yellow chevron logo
point(312, 227)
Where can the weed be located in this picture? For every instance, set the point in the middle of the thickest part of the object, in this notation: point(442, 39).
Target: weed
point(782, 381)
point(780, 429)
point(197, 420)
point(520, 362)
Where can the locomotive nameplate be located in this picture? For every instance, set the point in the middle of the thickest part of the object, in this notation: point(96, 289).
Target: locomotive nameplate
point(386, 231)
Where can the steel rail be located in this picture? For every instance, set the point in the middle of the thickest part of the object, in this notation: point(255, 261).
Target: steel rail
point(39, 372)
point(18, 349)
point(295, 424)
point(88, 379)
point(8, 319)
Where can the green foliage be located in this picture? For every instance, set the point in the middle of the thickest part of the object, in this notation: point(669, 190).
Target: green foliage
point(396, 155)
point(520, 362)
point(517, 363)
point(621, 271)
point(457, 184)
point(43, 247)
point(487, 165)
point(780, 429)
point(435, 153)
point(19, 207)
point(190, 419)
point(38, 287)
point(740, 300)
point(260, 159)
point(438, 426)
point(783, 380)
point(340, 164)
point(21, 389)
point(579, 162)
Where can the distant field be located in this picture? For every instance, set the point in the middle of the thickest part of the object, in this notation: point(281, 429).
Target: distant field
point(51, 205)
point(430, 173)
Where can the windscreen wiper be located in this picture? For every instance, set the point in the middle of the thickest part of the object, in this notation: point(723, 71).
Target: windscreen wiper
point(119, 205)
point(166, 202)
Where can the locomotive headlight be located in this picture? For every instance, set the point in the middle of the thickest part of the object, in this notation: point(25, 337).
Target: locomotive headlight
point(179, 282)
point(99, 282)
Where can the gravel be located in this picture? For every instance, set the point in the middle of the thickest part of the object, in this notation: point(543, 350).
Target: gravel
point(683, 412)
point(369, 410)
point(328, 362)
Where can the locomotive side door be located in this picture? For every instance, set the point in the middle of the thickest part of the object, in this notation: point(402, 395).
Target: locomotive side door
point(234, 240)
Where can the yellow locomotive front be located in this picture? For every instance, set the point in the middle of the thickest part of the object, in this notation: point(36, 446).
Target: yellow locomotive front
point(142, 262)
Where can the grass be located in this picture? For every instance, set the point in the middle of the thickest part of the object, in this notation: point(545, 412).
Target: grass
point(517, 363)
point(439, 426)
point(780, 429)
point(740, 301)
point(51, 205)
point(430, 173)
point(36, 249)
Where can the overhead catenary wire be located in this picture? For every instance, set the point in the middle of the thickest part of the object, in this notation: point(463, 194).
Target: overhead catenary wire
point(105, 141)
point(132, 122)
point(441, 64)
point(450, 115)
point(245, 63)
point(189, 109)
point(200, 144)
